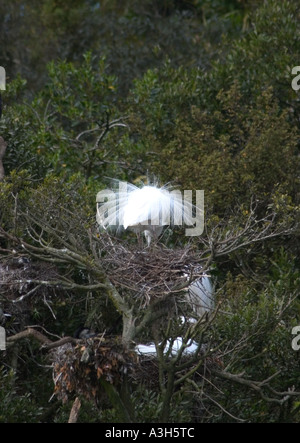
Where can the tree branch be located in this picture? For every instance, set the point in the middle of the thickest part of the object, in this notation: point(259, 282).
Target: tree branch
point(29, 333)
point(258, 386)
point(46, 343)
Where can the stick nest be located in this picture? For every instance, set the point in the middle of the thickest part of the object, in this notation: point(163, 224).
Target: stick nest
point(149, 273)
point(80, 369)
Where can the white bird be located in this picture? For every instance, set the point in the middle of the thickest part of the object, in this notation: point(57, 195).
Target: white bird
point(172, 348)
point(201, 296)
point(147, 209)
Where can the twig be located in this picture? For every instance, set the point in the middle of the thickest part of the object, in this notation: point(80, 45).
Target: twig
point(20, 299)
point(223, 409)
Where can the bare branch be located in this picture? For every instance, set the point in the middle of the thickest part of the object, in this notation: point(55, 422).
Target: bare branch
point(46, 343)
point(31, 333)
point(258, 387)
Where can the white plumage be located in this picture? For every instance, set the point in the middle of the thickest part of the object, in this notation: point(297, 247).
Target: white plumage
point(172, 348)
point(201, 296)
point(147, 204)
point(147, 209)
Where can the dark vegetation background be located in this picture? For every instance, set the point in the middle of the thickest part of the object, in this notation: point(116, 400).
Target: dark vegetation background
point(197, 92)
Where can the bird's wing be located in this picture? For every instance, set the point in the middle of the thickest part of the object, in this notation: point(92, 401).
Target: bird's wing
point(148, 205)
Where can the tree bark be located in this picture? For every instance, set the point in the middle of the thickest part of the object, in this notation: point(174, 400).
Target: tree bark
point(75, 411)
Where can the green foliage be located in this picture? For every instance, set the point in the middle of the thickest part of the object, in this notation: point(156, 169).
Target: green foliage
point(227, 128)
point(16, 407)
point(148, 406)
point(266, 318)
point(64, 127)
point(245, 148)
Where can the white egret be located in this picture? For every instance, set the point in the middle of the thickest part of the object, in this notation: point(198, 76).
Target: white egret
point(147, 209)
point(201, 295)
point(172, 348)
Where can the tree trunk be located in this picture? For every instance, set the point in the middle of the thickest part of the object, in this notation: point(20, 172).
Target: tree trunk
point(128, 328)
